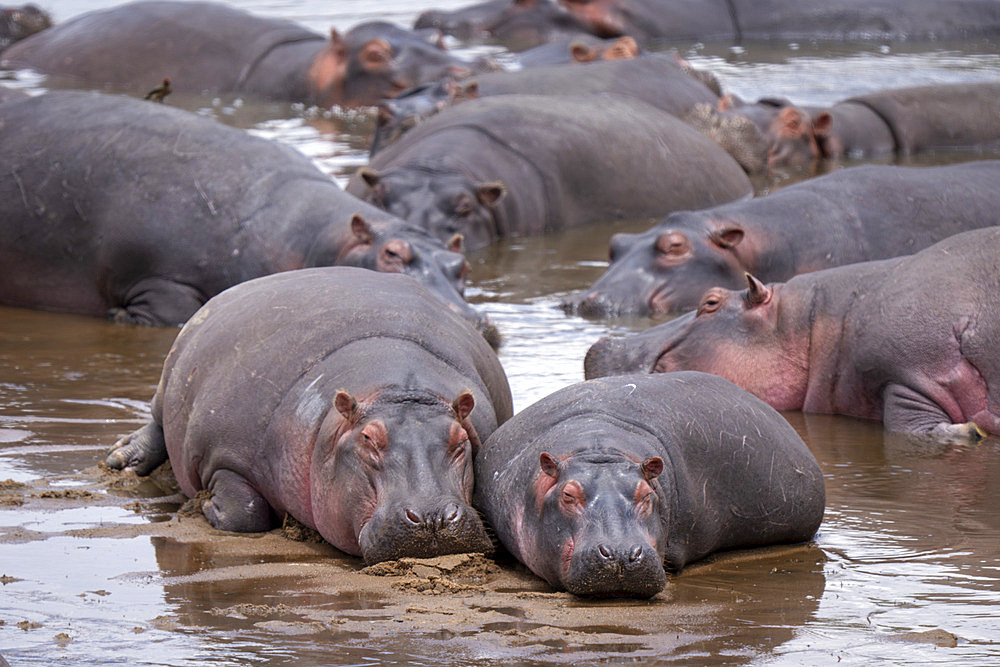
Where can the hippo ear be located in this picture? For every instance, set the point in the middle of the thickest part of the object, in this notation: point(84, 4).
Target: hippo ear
point(369, 176)
point(345, 404)
point(456, 243)
point(582, 53)
point(822, 123)
point(727, 102)
point(726, 235)
point(549, 465)
point(622, 49)
point(651, 468)
point(361, 229)
point(759, 293)
point(790, 123)
point(463, 404)
point(375, 55)
point(490, 194)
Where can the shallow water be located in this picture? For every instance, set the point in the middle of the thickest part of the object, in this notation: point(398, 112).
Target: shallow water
point(910, 542)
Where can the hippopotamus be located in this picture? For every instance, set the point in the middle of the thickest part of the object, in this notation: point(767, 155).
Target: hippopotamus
point(516, 24)
point(736, 20)
point(142, 212)
point(16, 23)
point(215, 48)
point(663, 80)
point(909, 340)
point(598, 486)
point(514, 165)
point(774, 132)
point(579, 49)
point(852, 215)
point(352, 401)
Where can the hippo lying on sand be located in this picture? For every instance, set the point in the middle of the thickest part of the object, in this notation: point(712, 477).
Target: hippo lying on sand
point(215, 48)
point(121, 207)
point(598, 485)
point(852, 215)
point(911, 341)
point(353, 401)
point(517, 165)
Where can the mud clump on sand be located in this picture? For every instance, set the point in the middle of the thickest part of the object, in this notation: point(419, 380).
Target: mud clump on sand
point(455, 573)
point(296, 531)
point(160, 481)
point(65, 494)
point(249, 610)
point(192, 506)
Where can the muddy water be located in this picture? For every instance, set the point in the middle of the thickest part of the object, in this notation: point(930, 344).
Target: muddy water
point(103, 570)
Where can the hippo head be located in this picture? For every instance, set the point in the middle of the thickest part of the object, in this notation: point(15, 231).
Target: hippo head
point(752, 337)
point(523, 24)
point(599, 531)
point(583, 50)
point(771, 134)
point(392, 246)
point(604, 18)
point(664, 270)
point(392, 477)
point(401, 114)
point(443, 203)
point(464, 23)
point(378, 60)
point(16, 23)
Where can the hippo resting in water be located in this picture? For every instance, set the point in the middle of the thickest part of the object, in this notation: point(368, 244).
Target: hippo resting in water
point(16, 23)
point(773, 133)
point(515, 165)
point(736, 20)
point(852, 215)
point(517, 24)
point(663, 80)
point(142, 212)
point(353, 401)
point(911, 340)
point(598, 485)
point(213, 47)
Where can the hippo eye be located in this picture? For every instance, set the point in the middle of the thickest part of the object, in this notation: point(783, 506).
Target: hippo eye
point(709, 304)
point(568, 498)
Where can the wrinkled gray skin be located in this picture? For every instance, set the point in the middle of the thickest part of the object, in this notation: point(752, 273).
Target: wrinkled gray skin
point(517, 24)
point(597, 486)
point(662, 80)
point(16, 23)
point(911, 341)
point(734, 20)
point(517, 165)
point(962, 116)
point(353, 401)
point(142, 212)
point(214, 48)
point(852, 215)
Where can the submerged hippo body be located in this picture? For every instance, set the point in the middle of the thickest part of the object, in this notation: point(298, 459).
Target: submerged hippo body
point(352, 401)
point(514, 165)
point(661, 80)
point(736, 20)
point(600, 484)
point(852, 215)
point(911, 341)
point(775, 133)
point(516, 24)
point(143, 212)
point(215, 48)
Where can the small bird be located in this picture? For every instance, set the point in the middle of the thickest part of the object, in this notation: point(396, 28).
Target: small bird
point(157, 94)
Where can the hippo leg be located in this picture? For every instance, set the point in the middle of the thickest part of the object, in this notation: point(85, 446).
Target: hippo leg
point(235, 505)
point(141, 451)
point(909, 411)
point(158, 301)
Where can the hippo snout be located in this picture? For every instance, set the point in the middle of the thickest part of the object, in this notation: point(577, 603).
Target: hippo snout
point(423, 530)
point(610, 356)
point(606, 569)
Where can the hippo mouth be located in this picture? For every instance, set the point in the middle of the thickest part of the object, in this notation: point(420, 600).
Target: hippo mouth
point(661, 301)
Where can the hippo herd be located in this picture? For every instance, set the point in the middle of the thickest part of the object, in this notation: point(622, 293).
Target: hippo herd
point(307, 381)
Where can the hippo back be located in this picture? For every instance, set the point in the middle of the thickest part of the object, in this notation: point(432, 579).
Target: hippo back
point(199, 45)
point(736, 473)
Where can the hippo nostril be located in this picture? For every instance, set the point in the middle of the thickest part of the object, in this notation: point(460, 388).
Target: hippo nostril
point(603, 550)
point(451, 513)
point(635, 553)
point(413, 517)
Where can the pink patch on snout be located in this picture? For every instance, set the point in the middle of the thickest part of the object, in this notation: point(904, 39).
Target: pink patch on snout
point(566, 555)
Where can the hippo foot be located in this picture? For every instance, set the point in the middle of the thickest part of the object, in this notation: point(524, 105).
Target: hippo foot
point(969, 431)
point(235, 505)
point(141, 451)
